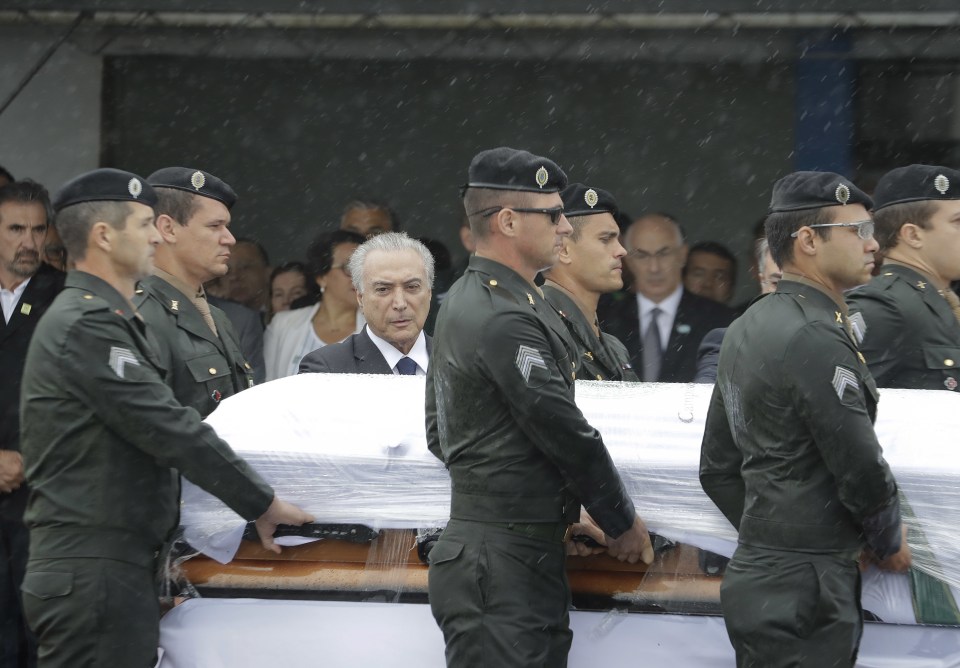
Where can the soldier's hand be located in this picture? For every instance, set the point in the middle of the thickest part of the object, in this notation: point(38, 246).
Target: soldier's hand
point(586, 527)
point(900, 561)
point(632, 545)
point(11, 471)
point(279, 512)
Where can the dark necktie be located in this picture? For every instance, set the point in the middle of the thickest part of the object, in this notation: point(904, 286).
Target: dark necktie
point(652, 348)
point(407, 367)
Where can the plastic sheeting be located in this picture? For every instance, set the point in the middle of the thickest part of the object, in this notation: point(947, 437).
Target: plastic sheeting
point(352, 449)
point(216, 633)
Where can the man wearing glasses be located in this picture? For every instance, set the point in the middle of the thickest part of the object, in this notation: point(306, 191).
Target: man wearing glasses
point(661, 323)
point(500, 414)
point(789, 452)
point(907, 316)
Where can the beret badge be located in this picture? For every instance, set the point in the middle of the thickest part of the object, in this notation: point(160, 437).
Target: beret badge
point(198, 180)
point(134, 187)
point(591, 198)
point(942, 184)
point(542, 177)
point(842, 193)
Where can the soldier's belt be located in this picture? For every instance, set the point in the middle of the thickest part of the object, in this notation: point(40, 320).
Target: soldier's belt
point(775, 535)
point(551, 532)
point(529, 509)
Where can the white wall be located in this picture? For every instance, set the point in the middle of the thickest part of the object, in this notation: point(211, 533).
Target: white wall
point(51, 131)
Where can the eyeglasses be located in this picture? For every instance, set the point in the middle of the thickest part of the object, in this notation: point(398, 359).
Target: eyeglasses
point(865, 228)
point(554, 212)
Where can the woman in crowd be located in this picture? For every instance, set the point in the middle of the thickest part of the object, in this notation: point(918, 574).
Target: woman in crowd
point(295, 333)
point(288, 282)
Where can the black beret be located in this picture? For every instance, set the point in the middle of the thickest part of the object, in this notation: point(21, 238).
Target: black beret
point(581, 200)
point(815, 190)
point(509, 169)
point(105, 185)
point(916, 183)
point(193, 181)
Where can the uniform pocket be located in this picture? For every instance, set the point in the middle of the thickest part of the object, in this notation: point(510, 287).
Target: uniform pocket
point(208, 367)
point(47, 584)
point(444, 551)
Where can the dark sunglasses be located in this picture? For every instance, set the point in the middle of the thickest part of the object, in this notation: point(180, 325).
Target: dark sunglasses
point(554, 212)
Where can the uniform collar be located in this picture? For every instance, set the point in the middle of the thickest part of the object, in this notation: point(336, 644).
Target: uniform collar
point(801, 285)
point(189, 291)
point(505, 277)
point(919, 279)
point(99, 287)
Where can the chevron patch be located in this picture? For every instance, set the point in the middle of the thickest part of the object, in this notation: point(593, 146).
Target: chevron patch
point(528, 361)
point(120, 358)
point(844, 379)
point(859, 327)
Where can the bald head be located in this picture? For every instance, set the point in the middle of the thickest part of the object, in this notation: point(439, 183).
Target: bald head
point(656, 255)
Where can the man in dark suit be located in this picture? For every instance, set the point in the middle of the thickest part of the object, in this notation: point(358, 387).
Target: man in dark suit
point(393, 277)
point(27, 287)
point(666, 352)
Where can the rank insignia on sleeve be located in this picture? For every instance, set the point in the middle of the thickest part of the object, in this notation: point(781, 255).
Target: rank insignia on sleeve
point(859, 327)
point(530, 363)
point(120, 358)
point(843, 380)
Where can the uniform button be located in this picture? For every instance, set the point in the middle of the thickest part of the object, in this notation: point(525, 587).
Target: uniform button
point(599, 377)
point(948, 362)
point(88, 296)
point(246, 365)
point(493, 282)
point(212, 371)
point(573, 375)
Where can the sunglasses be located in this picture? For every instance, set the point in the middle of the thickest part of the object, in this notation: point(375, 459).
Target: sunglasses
point(554, 212)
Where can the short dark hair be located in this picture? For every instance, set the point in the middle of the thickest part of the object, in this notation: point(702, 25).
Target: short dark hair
point(259, 246)
point(27, 192)
point(364, 203)
point(320, 252)
point(4, 173)
point(476, 200)
point(75, 221)
point(178, 204)
point(779, 226)
point(718, 249)
point(890, 219)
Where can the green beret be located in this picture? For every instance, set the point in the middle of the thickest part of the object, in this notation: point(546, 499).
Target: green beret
point(916, 183)
point(194, 181)
point(105, 185)
point(815, 190)
point(509, 169)
point(581, 200)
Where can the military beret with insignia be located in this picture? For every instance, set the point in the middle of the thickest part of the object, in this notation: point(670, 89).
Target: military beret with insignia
point(194, 181)
point(581, 200)
point(510, 169)
point(105, 185)
point(916, 183)
point(815, 190)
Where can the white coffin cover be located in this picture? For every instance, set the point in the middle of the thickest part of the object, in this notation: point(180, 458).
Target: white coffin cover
point(351, 448)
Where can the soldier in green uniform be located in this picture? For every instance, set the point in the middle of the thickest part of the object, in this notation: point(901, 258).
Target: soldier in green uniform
point(907, 316)
point(196, 342)
point(590, 264)
point(104, 438)
point(500, 413)
point(789, 452)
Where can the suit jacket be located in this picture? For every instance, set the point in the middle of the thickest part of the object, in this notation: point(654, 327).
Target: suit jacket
point(249, 327)
point(355, 354)
point(14, 338)
point(695, 317)
point(708, 356)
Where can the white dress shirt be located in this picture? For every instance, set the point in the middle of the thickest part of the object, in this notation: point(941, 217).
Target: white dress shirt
point(668, 313)
point(418, 353)
point(10, 298)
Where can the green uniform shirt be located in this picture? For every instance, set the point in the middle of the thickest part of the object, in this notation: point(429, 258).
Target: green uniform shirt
point(202, 367)
point(103, 436)
point(601, 358)
point(500, 410)
point(910, 336)
point(789, 452)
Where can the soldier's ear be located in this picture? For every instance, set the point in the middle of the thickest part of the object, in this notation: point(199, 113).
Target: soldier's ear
point(101, 236)
point(806, 242)
point(911, 235)
point(505, 222)
point(167, 227)
point(566, 251)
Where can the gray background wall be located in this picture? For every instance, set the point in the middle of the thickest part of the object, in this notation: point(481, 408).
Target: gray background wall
point(297, 139)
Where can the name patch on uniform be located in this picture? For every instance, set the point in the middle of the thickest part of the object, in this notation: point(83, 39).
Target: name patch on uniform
point(530, 363)
point(120, 358)
point(844, 380)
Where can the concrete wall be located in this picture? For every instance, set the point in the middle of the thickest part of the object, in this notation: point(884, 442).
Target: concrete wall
point(51, 132)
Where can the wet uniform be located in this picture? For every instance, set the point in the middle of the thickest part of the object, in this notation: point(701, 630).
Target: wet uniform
point(790, 457)
point(500, 413)
point(103, 440)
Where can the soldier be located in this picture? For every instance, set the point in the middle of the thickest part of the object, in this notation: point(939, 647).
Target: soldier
point(198, 345)
point(789, 453)
point(907, 316)
point(103, 439)
point(500, 414)
point(590, 264)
